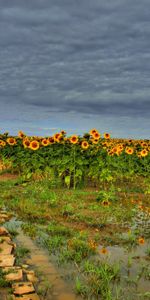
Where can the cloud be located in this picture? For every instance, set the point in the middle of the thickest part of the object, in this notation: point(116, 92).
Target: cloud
point(74, 57)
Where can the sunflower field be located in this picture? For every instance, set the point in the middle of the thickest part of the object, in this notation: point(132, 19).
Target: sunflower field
point(75, 160)
point(85, 199)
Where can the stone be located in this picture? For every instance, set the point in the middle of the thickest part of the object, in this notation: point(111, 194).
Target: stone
point(3, 231)
point(7, 260)
point(24, 266)
point(27, 297)
point(31, 276)
point(5, 248)
point(5, 238)
point(15, 273)
point(21, 288)
point(4, 216)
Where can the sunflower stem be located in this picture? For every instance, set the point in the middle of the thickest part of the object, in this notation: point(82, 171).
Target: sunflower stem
point(74, 172)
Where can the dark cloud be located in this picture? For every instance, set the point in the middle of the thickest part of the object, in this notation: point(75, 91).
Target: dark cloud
point(66, 56)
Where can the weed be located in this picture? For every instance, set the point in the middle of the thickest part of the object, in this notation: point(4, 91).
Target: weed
point(21, 253)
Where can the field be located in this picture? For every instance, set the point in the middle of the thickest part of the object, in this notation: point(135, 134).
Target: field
point(85, 201)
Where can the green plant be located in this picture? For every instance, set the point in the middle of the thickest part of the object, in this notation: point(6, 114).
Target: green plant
point(21, 253)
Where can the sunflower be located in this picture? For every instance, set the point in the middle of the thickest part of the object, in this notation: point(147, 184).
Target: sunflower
point(144, 153)
point(115, 150)
point(74, 139)
point(2, 143)
point(103, 250)
point(85, 145)
point(96, 135)
point(63, 132)
point(92, 131)
point(11, 141)
point(105, 203)
point(141, 241)
point(45, 142)
point(57, 137)
point(110, 152)
point(21, 134)
point(95, 141)
point(26, 143)
point(51, 140)
point(107, 136)
point(129, 150)
point(34, 145)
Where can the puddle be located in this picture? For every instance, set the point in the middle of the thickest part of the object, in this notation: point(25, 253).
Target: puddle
point(40, 261)
point(131, 262)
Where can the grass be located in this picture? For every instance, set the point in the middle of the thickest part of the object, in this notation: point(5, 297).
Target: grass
point(21, 253)
point(72, 224)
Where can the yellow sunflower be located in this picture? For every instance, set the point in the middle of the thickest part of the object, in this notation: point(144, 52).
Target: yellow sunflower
point(85, 145)
point(103, 250)
point(107, 136)
point(2, 143)
point(45, 142)
point(57, 137)
point(105, 203)
point(51, 140)
point(143, 153)
point(92, 131)
point(74, 139)
point(11, 141)
point(141, 241)
point(129, 150)
point(26, 143)
point(63, 132)
point(21, 134)
point(95, 141)
point(96, 135)
point(34, 145)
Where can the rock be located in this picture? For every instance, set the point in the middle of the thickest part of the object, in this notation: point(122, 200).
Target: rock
point(15, 273)
point(31, 276)
point(7, 260)
point(5, 238)
point(21, 288)
point(4, 216)
point(5, 248)
point(27, 297)
point(3, 231)
point(24, 266)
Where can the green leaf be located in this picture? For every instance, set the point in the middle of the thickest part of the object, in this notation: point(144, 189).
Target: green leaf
point(67, 181)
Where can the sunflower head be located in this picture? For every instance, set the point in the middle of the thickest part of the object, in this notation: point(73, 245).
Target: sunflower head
point(74, 139)
point(129, 150)
point(144, 153)
point(2, 143)
point(63, 132)
point(85, 145)
point(106, 136)
point(21, 134)
point(141, 241)
point(106, 203)
point(51, 140)
point(57, 137)
point(11, 141)
point(92, 131)
point(26, 143)
point(34, 145)
point(45, 142)
point(96, 135)
point(103, 250)
point(95, 141)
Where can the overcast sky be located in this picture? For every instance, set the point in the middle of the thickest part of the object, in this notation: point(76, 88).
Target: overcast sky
point(75, 65)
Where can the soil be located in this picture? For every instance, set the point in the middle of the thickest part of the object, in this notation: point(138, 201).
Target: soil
point(8, 176)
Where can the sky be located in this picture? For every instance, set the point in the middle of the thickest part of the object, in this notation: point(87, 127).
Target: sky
point(75, 65)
